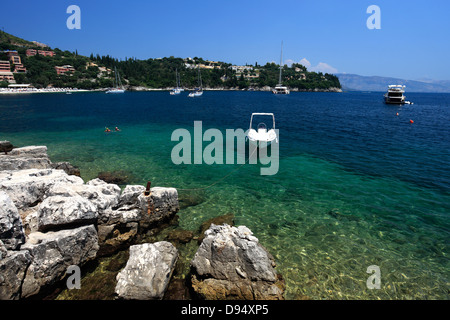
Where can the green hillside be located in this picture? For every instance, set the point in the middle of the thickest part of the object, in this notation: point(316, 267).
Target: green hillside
point(95, 71)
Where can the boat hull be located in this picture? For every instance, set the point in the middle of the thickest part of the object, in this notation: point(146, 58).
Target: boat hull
point(282, 93)
point(281, 90)
point(195, 94)
point(393, 102)
point(389, 100)
point(115, 91)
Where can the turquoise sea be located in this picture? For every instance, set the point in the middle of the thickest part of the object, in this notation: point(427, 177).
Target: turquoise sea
point(358, 185)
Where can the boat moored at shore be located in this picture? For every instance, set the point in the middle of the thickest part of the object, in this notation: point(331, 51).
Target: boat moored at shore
point(279, 88)
point(118, 88)
point(197, 91)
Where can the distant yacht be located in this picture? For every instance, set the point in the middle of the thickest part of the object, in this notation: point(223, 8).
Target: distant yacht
point(395, 95)
point(118, 88)
point(197, 91)
point(176, 90)
point(279, 88)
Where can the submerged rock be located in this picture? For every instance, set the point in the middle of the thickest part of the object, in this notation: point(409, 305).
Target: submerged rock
point(180, 236)
point(231, 264)
point(339, 216)
point(5, 146)
point(148, 271)
point(120, 177)
point(191, 198)
point(67, 167)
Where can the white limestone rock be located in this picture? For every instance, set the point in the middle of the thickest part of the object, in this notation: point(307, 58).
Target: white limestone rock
point(11, 228)
point(148, 271)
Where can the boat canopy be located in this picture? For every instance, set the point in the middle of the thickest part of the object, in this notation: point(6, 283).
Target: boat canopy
point(396, 86)
point(263, 114)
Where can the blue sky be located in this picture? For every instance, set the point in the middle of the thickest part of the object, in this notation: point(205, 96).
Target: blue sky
point(328, 35)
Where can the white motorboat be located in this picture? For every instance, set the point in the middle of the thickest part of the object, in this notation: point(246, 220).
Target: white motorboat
point(262, 133)
point(395, 95)
point(279, 88)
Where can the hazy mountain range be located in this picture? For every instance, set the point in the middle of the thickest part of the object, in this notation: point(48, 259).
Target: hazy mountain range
point(354, 82)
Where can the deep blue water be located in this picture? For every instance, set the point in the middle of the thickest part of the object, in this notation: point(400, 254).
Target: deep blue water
point(388, 179)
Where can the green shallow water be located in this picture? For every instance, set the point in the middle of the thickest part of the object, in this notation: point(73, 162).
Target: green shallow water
point(324, 222)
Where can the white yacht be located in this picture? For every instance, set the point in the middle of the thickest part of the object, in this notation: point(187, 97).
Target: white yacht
point(197, 91)
point(261, 133)
point(395, 95)
point(279, 88)
point(118, 88)
point(176, 90)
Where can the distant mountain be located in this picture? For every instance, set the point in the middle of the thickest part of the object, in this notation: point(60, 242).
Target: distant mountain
point(375, 83)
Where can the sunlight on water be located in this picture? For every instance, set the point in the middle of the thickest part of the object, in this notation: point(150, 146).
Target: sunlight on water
point(324, 218)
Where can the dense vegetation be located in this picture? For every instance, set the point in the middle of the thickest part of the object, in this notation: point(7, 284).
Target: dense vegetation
point(152, 73)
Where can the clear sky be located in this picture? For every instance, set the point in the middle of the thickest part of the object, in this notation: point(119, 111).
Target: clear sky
point(326, 35)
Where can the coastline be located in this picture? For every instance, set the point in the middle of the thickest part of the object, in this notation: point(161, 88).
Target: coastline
point(6, 91)
point(49, 90)
point(300, 206)
point(48, 208)
point(264, 89)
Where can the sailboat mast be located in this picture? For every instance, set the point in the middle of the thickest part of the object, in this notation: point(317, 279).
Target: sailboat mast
point(281, 62)
point(115, 76)
point(119, 81)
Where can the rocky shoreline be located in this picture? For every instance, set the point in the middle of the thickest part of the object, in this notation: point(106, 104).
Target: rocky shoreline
point(51, 220)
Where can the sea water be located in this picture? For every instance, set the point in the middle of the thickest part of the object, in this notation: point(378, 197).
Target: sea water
point(358, 185)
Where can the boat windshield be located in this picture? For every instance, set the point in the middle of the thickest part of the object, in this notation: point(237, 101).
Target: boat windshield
point(395, 94)
point(262, 126)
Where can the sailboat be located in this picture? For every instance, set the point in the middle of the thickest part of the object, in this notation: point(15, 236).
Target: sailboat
point(279, 88)
point(176, 90)
point(197, 91)
point(118, 88)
